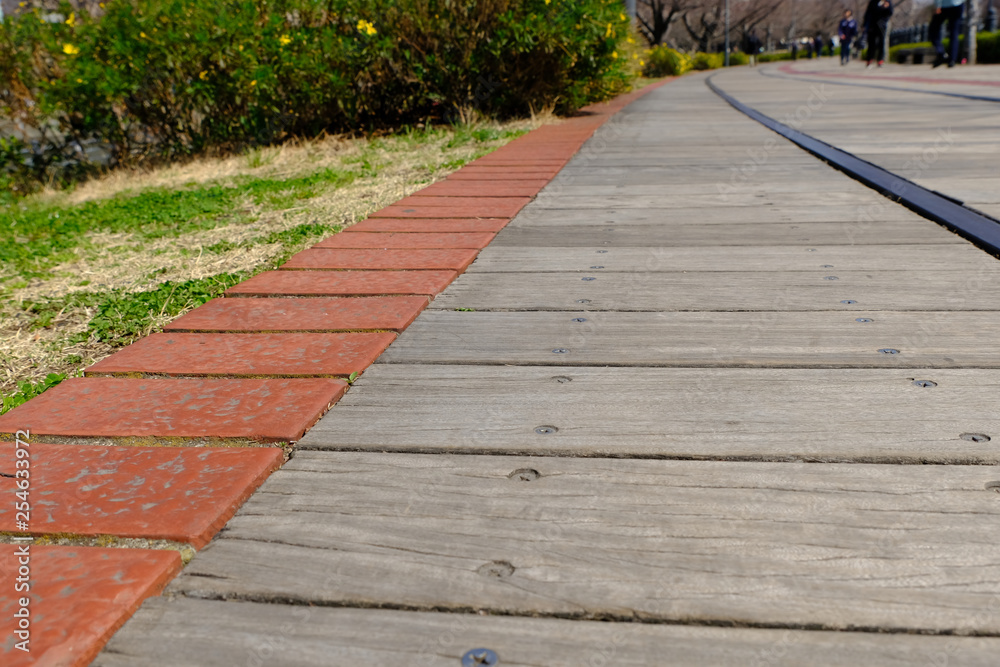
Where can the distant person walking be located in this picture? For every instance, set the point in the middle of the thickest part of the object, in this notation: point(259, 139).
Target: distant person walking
point(876, 25)
point(820, 45)
point(950, 11)
point(751, 46)
point(847, 31)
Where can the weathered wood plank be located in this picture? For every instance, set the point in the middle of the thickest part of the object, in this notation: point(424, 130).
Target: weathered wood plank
point(728, 290)
point(645, 230)
point(768, 414)
point(183, 632)
point(875, 213)
point(788, 545)
point(516, 259)
point(813, 206)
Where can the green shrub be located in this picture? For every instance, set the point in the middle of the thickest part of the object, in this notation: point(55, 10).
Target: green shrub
point(158, 79)
point(774, 56)
point(737, 58)
point(987, 48)
point(704, 61)
point(664, 61)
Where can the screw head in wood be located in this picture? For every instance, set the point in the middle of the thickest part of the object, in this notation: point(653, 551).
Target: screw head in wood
point(888, 350)
point(826, 266)
point(848, 301)
point(579, 319)
point(480, 657)
point(500, 569)
point(597, 267)
point(830, 278)
point(560, 350)
point(807, 249)
point(601, 252)
point(524, 475)
point(562, 379)
point(583, 300)
point(864, 320)
point(545, 429)
point(975, 437)
point(925, 383)
point(588, 278)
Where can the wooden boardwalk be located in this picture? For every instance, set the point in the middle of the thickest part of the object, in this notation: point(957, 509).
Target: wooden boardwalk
point(682, 411)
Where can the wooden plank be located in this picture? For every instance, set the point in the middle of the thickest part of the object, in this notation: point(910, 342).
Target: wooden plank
point(749, 339)
point(727, 290)
point(182, 632)
point(514, 259)
point(804, 206)
point(645, 230)
point(623, 212)
point(760, 414)
point(833, 546)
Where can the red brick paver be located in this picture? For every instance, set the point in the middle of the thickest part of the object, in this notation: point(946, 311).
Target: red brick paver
point(79, 596)
point(185, 494)
point(511, 188)
point(386, 259)
point(263, 410)
point(248, 354)
point(391, 313)
point(344, 283)
point(430, 225)
point(478, 207)
point(508, 205)
point(501, 173)
point(353, 239)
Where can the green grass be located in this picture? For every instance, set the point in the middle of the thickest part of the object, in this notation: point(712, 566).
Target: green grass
point(44, 235)
point(28, 390)
point(46, 232)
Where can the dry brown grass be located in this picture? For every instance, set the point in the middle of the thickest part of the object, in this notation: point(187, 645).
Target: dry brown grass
point(123, 262)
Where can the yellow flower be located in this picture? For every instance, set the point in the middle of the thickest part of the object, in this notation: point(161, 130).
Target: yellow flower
point(253, 83)
point(366, 27)
point(70, 50)
point(143, 35)
point(284, 40)
point(642, 63)
point(623, 17)
point(614, 54)
point(548, 2)
point(203, 75)
point(71, 21)
point(79, 80)
point(630, 40)
point(610, 31)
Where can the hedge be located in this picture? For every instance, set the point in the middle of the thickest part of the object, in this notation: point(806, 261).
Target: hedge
point(987, 48)
point(156, 79)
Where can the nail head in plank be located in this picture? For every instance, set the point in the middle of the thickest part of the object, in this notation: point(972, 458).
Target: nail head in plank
point(837, 547)
point(768, 414)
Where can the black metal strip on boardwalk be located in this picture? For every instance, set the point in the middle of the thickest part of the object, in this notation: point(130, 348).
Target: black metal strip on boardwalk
point(792, 76)
point(982, 230)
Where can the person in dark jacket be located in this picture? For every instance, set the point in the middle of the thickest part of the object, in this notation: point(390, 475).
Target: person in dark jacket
point(950, 11)
point(820, 44)
point(847, 31)
point(876, 25)
point(751, 46)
